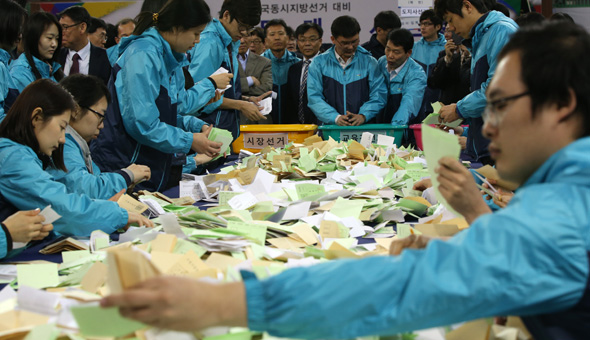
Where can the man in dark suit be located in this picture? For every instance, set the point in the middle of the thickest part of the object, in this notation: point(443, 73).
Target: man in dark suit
point(309, 41)
point(255, 76)
point(78, 55)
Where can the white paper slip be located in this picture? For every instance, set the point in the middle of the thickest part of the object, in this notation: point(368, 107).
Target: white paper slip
point(366, 139)
point(274, 95)
point(266, 105)
point(297, 211)
point(171, 226)
point(220, 70)
point(242, 201)
point(154, 206)
point(50, 215)
point(187, 189)
point(385, 140)
point(38, 301)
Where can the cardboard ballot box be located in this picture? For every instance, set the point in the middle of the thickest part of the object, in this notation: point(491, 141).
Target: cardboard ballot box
point(258, 136)
point(344, 133)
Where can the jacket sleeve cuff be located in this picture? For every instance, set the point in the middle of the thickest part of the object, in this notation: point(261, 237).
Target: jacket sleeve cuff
point(188, 142)
point(458, 110)
point(8, 238)
point(255, 301)
point(127, 175)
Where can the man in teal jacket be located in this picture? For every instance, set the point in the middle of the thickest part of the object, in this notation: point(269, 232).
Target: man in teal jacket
point(425, 53)
point(528, 259)
point(219, 48)
point(277, 38)
point(404, 77)
point(345, 86)
point(485, 34)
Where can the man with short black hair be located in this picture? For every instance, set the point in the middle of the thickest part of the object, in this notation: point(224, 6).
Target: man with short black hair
point(309, 40)
point(405, 79)
point(485, 33)
point(219, 48)
point(78, 55)
point(277, 38)
point(383, 23)
point(97, 32)
point(344, 85)
point(425, 53)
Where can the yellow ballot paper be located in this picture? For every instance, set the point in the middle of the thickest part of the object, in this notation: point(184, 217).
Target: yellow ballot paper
point(439, 144)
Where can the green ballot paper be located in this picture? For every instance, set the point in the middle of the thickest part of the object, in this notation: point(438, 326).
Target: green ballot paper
point(439, 144)
point(221, 136)
point(93, 319)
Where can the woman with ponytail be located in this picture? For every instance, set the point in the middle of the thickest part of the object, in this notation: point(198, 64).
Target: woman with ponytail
point(149, 120)
point(42, 39)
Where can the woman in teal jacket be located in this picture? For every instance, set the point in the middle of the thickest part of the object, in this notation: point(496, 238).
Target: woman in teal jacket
point(12, 18)
point(31, 139)
point(144, 123)
point(83, 175)
point(42, 41)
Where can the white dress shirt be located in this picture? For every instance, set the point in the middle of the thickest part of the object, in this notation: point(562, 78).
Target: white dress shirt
point(83, 63)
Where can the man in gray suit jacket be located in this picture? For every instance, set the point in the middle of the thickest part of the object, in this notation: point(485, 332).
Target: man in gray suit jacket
point(255, 76)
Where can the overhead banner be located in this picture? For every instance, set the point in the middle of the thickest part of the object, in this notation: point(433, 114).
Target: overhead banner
point(296, 12)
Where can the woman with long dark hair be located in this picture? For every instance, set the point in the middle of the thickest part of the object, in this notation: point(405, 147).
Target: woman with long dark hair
point(145, 123)
point(12, 17)
point(31, 140)
point(83, 175)
point(42, 42)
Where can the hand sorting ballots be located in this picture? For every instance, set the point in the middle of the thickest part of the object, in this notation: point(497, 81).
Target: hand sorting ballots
point(25, 226)
point(222, 80)
point(457, 186)
point(448, 113)
point(201, 144)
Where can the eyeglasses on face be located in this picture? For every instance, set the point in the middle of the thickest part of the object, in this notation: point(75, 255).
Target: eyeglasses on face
point(67, 27)
point(347, 43)
point(100, 115)
point(495, 109)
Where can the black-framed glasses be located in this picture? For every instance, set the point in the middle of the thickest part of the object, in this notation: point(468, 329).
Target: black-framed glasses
point(494, 111)
point(67, 27)
point(426, 23)
point(100, 115)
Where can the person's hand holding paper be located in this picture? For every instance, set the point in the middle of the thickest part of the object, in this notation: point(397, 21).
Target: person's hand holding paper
point(201, 144)
point(163, 302)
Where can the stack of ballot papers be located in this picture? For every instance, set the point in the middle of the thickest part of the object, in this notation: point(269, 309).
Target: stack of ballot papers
point(64, 244)
point(221, 136)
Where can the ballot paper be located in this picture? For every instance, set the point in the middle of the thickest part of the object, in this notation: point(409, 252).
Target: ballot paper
point(266, 105)
point(50, 215)
point(366, 139)
point(222, 70)
point(385, 140)
point(439, 144)
point(221, 136)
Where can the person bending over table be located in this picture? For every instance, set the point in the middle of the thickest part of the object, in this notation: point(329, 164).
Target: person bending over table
point(83, 175)
point(149, 121)
point(529, 259)
point(31, 140)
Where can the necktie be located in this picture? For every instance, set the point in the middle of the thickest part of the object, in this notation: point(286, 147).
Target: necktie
point(302, 88)
point(75, 64)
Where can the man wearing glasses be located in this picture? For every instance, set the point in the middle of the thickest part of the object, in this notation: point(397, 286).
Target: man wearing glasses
point(255, 74)
point(485, 33)
point(219, 48)
point(425, 53)
point(309, 40)
point(78, 55)
point(257, 44)
point(344, 85)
